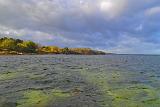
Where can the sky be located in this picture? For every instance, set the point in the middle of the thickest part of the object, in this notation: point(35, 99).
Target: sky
point(118, 26)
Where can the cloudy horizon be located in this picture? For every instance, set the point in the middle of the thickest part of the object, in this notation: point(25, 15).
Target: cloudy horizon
point(118, 26)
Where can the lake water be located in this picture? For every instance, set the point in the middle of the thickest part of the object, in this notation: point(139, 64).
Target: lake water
point(80, 81)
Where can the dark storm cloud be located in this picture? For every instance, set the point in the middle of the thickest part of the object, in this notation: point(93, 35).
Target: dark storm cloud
point(123, 26)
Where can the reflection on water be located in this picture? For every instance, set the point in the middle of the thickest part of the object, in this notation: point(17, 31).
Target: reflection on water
point(80, 81)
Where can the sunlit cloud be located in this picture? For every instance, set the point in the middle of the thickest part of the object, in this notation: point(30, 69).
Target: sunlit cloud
point(113, 8)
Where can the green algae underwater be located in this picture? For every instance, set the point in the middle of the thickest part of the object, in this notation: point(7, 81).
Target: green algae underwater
point(34, 98)
point(90, 83)
point(120, 94)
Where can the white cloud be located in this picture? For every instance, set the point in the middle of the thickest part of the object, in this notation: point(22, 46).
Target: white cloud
point(153, 11)
point(113, 8)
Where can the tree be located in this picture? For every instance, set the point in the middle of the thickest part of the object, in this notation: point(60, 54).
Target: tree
point(28, 47)
point(65, 50)
point(50, 49)
point(8, 44)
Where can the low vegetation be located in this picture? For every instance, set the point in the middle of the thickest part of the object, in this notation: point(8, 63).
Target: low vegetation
point(17, 46)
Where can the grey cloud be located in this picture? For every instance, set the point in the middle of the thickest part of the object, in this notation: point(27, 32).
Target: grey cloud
point(99, 24)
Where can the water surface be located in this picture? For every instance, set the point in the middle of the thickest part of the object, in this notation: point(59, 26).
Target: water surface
point(80, 81)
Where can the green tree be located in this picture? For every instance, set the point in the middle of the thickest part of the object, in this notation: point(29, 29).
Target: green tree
point(65, 50)
point(28, 47)
point(8, 44)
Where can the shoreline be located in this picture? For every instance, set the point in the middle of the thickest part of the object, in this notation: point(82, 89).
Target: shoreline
point(11, 46)
point(54, 54)
point(79, 54)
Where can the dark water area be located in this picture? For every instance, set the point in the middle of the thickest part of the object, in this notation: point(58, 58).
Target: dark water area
point(80, 81)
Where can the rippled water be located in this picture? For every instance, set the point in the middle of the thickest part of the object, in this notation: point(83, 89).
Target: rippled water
point(80, 81)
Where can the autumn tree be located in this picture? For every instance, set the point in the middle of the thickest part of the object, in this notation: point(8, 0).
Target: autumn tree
point(10, 45)
point(7, 44)
point(28, 47)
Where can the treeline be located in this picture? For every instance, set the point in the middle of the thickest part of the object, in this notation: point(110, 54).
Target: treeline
point(17, 46)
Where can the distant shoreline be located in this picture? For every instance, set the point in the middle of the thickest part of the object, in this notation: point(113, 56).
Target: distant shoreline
point(30, 54)
point(11, 46)
point(2, 53)
point(53, 54)
point(21, 54)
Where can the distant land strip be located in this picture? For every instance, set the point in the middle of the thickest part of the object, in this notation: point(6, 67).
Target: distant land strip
point(11, 46)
